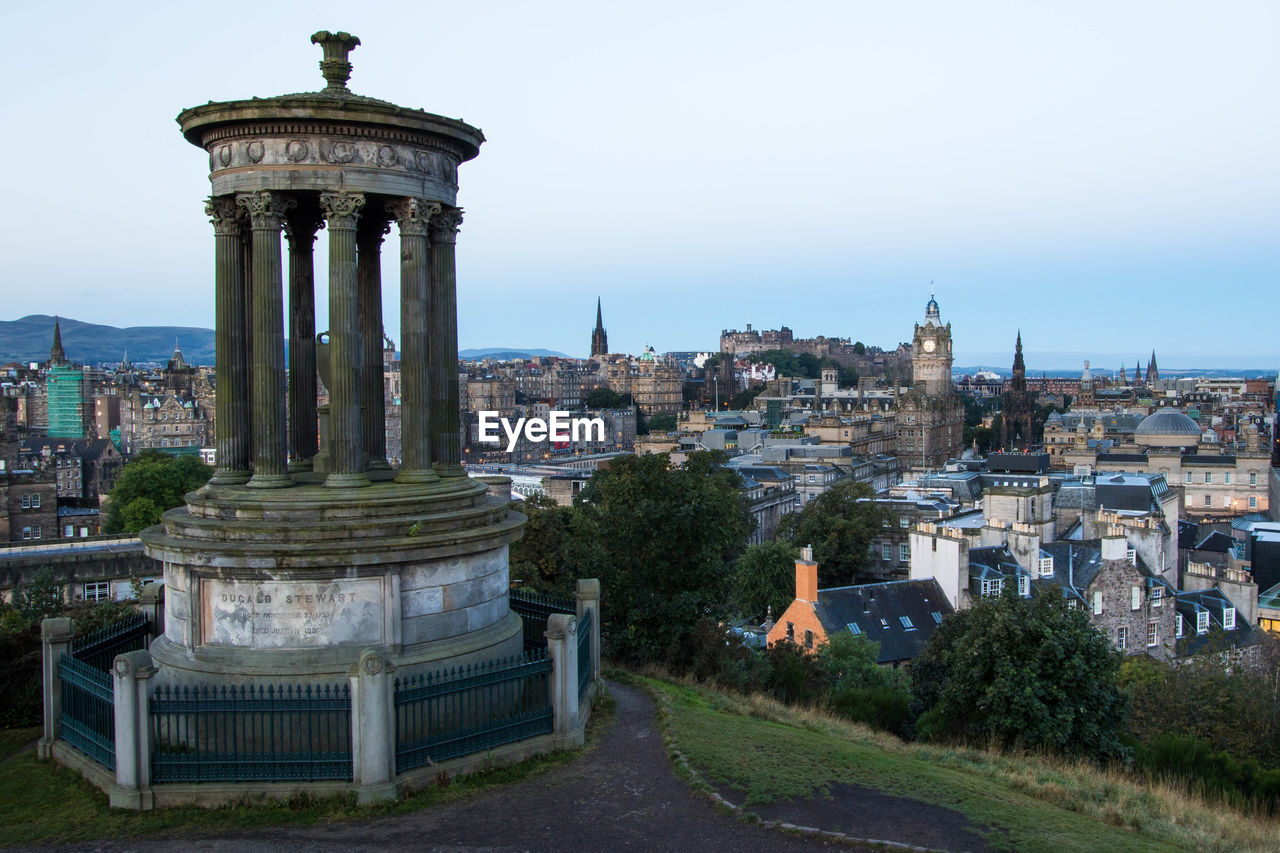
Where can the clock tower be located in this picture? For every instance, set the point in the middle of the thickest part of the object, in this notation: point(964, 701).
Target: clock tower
point(931, 353)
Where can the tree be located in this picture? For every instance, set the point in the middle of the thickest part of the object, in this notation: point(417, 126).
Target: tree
point(544, 558)
point(859, 348)
point(744, 399)
point(42, 598)
point(606, 398)
point(764, 577)
point(661, 423)
point(1023, 672)
point(148, 486)
point(661, 541)
point(840, 524)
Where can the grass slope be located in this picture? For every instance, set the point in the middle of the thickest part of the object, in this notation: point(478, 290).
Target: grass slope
point(768, 752)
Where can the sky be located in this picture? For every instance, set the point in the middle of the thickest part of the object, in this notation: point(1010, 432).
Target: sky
point(1102, 176)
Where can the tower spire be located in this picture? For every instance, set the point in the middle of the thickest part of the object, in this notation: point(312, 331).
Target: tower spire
point(599, 339)
point(57, 355)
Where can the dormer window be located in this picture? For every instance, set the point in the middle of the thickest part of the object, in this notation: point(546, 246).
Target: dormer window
point(1229, 618)
point(906, 623)
point(1156, 598)
point(1024, 586)
point(1045, 567)
point(853, 628)
point(1202, 622)
point(1132, 556)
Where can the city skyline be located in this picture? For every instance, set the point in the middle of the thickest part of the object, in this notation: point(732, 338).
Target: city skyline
point(1100, 178)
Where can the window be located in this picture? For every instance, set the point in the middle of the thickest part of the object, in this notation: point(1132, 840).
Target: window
point(853, 628)
point(26, 533)
point(1229, 618)
point(1207, 501)
point(1208, 477)
point(791, 631)
point(1135, 597)
point(1122, 637)
point(1045, 566)
point(992, 587)
point(904, 552)
point(906, 623)
point(1253, 479)
point(1179, 620)
point(1156, 598)
point(1188, 476)
point(97, 591)
point(1024, 586)
point(885, 552)
point(808, 639)
point(937, 617)
point(69, 531)
point(35, 501)
point(1226, 478)
point(1202, 622)
point(904, 522)
point(35, 531)
point(1253, 503)
point(884, 623)
point(1226, 501)
point(1153, 634)
point(1132, 556)
point(1097, 603)
point(26, 501)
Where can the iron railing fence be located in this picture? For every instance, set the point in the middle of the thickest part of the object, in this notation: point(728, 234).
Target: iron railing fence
point(88, 716)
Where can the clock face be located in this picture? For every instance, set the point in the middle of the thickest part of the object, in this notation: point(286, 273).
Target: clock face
point(929, 345)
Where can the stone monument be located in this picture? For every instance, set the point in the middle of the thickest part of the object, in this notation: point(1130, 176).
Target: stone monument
point(307, 548)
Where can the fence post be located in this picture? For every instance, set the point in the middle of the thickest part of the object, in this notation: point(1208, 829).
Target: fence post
point(151, 602)
point(589, 601)
point(130, 673)
point(562, 645)
point(373, 728)
point(55, 640)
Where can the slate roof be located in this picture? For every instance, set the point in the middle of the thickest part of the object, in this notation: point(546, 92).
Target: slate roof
point(1212, 601)
point(879, 610)
point(1216, 541)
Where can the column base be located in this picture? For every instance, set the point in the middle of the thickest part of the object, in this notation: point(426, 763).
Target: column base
point(417, 476)
point(346, 481)
point(450, 469)
point(269, 481)
point(229, 478)
point(378, 465)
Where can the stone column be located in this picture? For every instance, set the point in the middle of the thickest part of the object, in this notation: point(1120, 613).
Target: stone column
point(231, 348)
point(55, 640)
point(270, 449)
point(562, 646)
point(446, 420)
point(588, 601)
point(341, 213)
point(373, 728)
point(413, 216)
point(300, 228)
point(373, 420)
point(130, 673)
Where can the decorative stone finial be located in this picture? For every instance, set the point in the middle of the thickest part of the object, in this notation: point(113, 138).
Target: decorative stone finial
point(335, 66)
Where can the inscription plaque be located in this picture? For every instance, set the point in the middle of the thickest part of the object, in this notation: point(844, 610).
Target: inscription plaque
point(292, 614)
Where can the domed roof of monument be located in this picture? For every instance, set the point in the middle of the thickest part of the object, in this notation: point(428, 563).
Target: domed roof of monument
point(334, 103)
point(1168, 421)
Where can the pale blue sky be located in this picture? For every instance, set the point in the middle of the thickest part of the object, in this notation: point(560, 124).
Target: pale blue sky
point(1102, 175)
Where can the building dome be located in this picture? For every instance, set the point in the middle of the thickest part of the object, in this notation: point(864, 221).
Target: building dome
point(1168, 421)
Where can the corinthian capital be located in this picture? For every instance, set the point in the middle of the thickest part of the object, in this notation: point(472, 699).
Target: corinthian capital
point(445, 225)
point(266, 209)
point(224, 214)
point(301, 227)
point(341, 210)
point(413, 215)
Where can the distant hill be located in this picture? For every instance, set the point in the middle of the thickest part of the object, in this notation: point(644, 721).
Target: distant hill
point(29, 339)
point(500, 354)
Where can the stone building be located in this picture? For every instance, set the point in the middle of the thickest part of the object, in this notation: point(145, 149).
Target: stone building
point(930, 423)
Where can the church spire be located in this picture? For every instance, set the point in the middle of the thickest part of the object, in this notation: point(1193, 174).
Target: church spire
point(599, 339)
point(57, 355)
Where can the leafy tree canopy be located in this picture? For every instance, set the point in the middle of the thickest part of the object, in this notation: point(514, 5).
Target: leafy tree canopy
point(607, 398)
point(148, 486)
point(764, 577)
point(661, 541)
point(1023, 672)
point(661, 423)
point(840, 524)
point(545, 557)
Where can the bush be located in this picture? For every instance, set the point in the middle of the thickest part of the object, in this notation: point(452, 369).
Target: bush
point(713, 653)
point(795, 675)
point(1191, 762)
point(886, 708)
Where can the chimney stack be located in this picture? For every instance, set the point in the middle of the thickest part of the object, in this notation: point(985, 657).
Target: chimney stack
point(806, 576)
